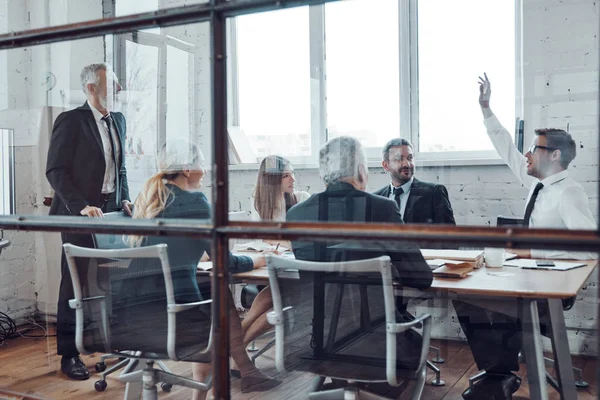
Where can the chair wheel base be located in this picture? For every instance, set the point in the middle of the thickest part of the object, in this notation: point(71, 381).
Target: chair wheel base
point(100, 386)
point(438, 360)
point(437, 382)
point(100, 366)
point(166, 387)
point(581, 384)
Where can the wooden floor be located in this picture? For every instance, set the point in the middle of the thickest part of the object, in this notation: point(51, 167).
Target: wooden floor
point(31, 367)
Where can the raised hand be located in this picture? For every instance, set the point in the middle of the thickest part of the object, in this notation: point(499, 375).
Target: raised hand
point(485, 91)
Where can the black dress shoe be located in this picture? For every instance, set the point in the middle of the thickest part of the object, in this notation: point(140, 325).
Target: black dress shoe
point(493, 387)
point(74, 368)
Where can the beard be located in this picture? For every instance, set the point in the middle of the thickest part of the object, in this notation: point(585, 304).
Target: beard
point(398, 176)
point(112, 105)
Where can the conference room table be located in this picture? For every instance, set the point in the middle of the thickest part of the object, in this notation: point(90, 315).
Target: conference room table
point(514, 291)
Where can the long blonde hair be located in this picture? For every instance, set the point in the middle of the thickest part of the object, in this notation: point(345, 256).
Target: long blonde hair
point(267, 194)
point(152, 200)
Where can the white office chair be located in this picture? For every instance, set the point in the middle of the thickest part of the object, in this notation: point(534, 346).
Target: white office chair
point(352, 373)
point(138, 285)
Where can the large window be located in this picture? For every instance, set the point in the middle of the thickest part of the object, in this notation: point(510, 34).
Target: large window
point(322, 75)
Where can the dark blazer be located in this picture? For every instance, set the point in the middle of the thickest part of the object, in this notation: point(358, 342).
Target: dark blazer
point(428, 203)
point(184, 253)
point(341, 202)
point(76, 165)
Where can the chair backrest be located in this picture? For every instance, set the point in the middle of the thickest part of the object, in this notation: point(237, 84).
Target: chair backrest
point(508, 221)
point(380, 265)
point(112, 317)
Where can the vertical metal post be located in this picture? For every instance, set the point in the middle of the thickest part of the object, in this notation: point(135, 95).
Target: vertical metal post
point(220, 257)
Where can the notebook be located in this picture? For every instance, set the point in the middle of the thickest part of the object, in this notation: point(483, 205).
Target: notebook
point(455, 271)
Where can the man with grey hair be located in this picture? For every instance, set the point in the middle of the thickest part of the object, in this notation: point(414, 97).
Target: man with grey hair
point(343, 169)
point(86, 169)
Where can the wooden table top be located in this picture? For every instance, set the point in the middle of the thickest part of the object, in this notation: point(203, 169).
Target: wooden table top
point(500, 282)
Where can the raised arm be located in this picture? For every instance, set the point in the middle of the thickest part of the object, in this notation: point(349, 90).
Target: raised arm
point(501, 139)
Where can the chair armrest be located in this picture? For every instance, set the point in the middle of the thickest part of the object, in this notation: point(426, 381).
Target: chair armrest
point(175, 308)
point(402, 327)
point(76, 304)
point(275, 319)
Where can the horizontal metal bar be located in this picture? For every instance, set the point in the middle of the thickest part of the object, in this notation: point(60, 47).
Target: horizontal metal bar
point(421, 234)
point(167, 17)
point(153, 227)
point(375, 233)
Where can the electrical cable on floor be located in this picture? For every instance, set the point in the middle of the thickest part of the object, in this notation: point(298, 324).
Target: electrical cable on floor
point(22, 332)
point(8, 328)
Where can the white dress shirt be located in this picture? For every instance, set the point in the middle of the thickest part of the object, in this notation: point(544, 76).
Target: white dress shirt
point(108, 185)
point(403, 197)
point(560, 204)
point(279, 214)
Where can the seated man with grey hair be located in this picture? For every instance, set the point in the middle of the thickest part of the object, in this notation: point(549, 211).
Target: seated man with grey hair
point(343, 169)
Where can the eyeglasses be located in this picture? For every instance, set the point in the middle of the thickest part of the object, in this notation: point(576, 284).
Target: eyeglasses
point(534, 147)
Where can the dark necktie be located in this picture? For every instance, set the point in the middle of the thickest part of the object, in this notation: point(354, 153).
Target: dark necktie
point(397, 192)
point(107, 120)
point(531, 204)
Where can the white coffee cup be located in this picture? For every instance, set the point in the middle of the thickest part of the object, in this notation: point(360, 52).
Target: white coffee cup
point(494, 257)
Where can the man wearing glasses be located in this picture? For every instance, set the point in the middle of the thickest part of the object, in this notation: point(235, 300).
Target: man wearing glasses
point(555, 201)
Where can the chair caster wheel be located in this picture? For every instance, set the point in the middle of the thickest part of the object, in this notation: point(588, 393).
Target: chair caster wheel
point(581, 384)
point(100, 386)
point(100, 366)
point(166, 387)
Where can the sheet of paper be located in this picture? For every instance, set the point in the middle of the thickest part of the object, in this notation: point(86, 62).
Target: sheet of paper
point(438, 262)
point(257, 246)
point(531, 264)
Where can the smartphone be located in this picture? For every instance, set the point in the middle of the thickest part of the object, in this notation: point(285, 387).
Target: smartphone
point(544, 263)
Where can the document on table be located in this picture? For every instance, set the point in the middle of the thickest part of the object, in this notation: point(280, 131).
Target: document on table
point(257, 246)
point(531, 264)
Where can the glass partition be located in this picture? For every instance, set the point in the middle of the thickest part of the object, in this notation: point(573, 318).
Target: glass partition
point(477, 219)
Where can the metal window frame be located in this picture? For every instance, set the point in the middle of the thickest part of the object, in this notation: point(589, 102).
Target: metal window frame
point(217, 12)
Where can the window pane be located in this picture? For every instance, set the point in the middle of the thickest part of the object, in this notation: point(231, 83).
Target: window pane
point(274, 82)
point(362, 70)
point(456, 44)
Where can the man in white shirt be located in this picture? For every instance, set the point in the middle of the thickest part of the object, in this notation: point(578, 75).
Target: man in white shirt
point(86, 169)
point(555, 201)
point(558, 202)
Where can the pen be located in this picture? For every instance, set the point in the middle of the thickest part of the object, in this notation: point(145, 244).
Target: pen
point(277, 246)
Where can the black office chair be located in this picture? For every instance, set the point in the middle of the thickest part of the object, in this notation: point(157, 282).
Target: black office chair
point(128, 303)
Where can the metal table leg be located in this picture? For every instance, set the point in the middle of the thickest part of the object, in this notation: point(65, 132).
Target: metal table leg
point(562, 355)
point(534, 355)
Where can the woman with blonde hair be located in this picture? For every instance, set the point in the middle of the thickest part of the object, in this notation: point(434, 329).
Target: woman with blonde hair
point(274, 195)
point(173, 193)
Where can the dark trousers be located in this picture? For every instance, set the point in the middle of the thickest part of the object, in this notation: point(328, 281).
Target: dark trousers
point(495, 338)
point(65, 328)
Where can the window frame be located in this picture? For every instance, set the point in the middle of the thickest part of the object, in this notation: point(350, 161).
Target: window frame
point(409, 94)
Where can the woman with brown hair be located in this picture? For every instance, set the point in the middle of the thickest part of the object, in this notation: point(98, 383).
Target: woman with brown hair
point(173, 193)
point(274, 195)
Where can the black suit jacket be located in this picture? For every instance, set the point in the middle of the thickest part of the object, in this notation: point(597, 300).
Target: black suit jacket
point(428, 203)
point(341, 202)
point(76, 165)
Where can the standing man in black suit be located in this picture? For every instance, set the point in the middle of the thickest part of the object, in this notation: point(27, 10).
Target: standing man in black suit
point(86, 169)
point(419, 202)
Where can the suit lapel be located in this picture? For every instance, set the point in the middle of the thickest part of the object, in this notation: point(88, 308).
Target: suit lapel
point(93, 126)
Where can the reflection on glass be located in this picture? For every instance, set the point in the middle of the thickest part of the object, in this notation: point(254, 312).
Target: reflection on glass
point(7, 171)
point(141, 67)
point(180, 84)
point(363, 97)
